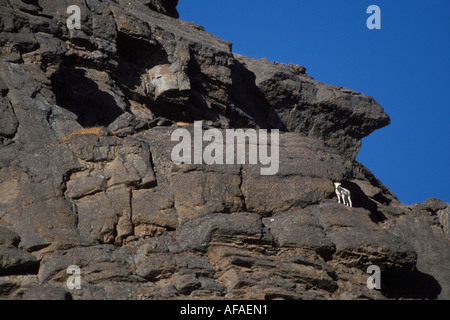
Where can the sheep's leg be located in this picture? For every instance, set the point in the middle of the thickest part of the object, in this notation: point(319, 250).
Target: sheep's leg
point(346, 199)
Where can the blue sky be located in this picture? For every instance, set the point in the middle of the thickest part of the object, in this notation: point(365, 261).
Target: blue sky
point(404, 66)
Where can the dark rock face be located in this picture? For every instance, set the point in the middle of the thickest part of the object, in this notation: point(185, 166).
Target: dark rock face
point(167, 7)
point(87, 179)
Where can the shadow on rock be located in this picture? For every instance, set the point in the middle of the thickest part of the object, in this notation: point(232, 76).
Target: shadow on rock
point(250, 101)
point(77, 93)
point(361, 200)
point(410, 285)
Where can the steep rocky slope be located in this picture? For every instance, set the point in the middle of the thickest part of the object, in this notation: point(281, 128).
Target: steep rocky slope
point(86, 176)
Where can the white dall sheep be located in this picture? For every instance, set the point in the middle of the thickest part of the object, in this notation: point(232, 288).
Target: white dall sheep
point(343, 194)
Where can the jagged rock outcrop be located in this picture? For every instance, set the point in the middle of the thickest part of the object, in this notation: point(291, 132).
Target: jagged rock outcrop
point(87, 179)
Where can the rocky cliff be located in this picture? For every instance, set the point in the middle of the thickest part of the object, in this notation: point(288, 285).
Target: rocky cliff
point(87, 179)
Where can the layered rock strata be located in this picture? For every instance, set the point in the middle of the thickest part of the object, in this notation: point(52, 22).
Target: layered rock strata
point(87, 179)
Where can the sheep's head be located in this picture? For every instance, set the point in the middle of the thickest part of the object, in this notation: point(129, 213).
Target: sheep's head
point(337, 184)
